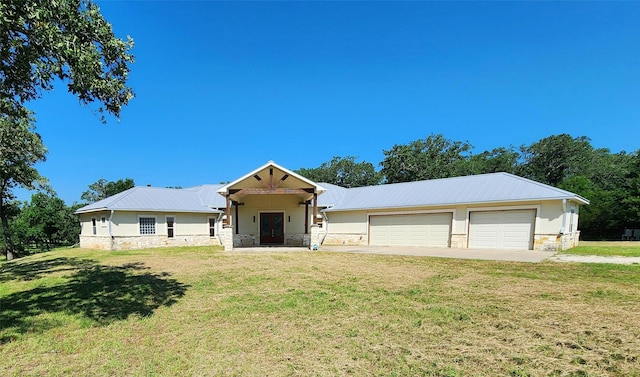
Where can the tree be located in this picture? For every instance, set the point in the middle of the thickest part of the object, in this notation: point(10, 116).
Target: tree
point(41, 41)
point(431, 158)
point(343, 171)
point(494, 161)
point(103, 189)
point(554, 158)
point(49, 221)
point(20, 150)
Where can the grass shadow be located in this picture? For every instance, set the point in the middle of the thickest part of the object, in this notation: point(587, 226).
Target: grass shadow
point(35, 269)
point(100, 293)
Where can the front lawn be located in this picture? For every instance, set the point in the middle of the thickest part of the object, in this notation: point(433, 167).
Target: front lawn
point(199, 311)
point(607, 248)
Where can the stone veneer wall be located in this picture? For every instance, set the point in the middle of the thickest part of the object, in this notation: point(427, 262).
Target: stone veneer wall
point(143, 242)
point(458, 241)
point(95, 242)
point(555, 242)
point(290, 239)
point(351, 239)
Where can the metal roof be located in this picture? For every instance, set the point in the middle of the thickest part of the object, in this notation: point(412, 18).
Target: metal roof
point(142, 198)
point(484, 188)
point(333, 196)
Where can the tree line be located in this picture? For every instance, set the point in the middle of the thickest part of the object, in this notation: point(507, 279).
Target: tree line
point(610, 181)
point(46, 221)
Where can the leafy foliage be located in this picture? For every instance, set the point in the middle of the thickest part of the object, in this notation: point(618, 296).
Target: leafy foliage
point(431, 158)
point(41, 41)
point(20, 150)
point(344, 171)
point(611, 181)
point(103, 189)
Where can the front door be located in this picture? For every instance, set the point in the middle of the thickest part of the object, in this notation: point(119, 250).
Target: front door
point(272, 228)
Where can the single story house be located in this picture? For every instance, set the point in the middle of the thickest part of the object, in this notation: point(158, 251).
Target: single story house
point(275, 206)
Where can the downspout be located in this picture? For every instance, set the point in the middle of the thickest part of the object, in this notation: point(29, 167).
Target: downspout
point(219, 230)
point(564, 215)
point(326, 228)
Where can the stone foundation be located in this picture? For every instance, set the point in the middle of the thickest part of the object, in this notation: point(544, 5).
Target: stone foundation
point(350, 239)
point(145, 242)
point(96, 242)
point(555, 242)
point(458, 241)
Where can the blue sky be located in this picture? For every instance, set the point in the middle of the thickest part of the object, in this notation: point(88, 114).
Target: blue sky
point(223, 87)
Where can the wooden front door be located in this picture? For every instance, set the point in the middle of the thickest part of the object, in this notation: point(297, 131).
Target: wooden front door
point(272, 228)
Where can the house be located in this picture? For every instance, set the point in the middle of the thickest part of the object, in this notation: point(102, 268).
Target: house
point(275, 206)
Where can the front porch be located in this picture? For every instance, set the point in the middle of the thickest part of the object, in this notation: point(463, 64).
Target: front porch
point(271, 206)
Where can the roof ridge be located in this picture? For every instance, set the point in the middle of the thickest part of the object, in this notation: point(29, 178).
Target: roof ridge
point(539, 183)
point(124, 193)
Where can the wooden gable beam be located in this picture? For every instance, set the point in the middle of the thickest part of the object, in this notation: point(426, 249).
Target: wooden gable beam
point(262, 191)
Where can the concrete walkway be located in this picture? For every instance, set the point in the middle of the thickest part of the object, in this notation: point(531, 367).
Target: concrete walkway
point(534, 256)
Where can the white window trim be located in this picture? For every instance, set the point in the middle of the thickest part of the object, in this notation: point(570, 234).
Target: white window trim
point(215, 227)
point(166, 225)
point(156, 225)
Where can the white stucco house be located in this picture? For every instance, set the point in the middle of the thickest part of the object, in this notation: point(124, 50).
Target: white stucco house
point(275, 206)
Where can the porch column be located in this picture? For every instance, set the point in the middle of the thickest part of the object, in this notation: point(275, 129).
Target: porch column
point(227, 221)
point(235, 204)
point(315, 208)
point(306, 217)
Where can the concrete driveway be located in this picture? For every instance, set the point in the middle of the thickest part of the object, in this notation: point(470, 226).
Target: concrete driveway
point(533, 256)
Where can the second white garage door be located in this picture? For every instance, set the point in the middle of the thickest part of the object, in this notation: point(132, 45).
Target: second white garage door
point(502, 229)
point(433, 229)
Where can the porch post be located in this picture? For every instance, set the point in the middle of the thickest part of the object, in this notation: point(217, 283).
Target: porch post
point(315, 208)
point(306, 217)
point(227, 221)
point(235, 204)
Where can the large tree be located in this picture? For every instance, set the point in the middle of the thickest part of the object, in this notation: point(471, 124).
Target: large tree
point(555, 158)
point(70, 40)
point(41, 42)
point(20, 149)
point(343, 171)
point(431, 158)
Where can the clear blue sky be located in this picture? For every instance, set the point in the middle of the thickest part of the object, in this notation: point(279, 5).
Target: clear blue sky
point(223, 87)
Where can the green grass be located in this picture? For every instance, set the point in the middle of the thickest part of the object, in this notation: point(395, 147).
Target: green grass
point(201, 311)
point(606, 249)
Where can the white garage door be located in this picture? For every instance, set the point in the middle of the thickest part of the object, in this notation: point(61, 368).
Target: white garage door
point(502, 229)
point(432, 229)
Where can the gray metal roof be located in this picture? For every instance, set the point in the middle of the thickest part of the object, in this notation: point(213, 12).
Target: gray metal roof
point(142, 198)
point(333, 196)
point(484, 188)
point(209, 195)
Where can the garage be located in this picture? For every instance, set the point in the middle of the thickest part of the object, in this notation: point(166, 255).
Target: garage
point(502, 229)
point(433, 229)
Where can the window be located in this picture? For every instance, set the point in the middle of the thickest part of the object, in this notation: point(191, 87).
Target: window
point(93, 226)
point(147, 225)
point(573, 211)
point(212, 227)
point(170, 226)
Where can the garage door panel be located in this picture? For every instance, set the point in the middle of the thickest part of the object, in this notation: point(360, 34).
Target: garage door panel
point(411, 230)
point(502, 229)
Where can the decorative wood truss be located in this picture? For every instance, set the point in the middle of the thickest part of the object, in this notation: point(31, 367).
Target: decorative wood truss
point(272, 187)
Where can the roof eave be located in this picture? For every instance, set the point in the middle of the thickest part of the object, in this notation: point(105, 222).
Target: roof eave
point(576, 198)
